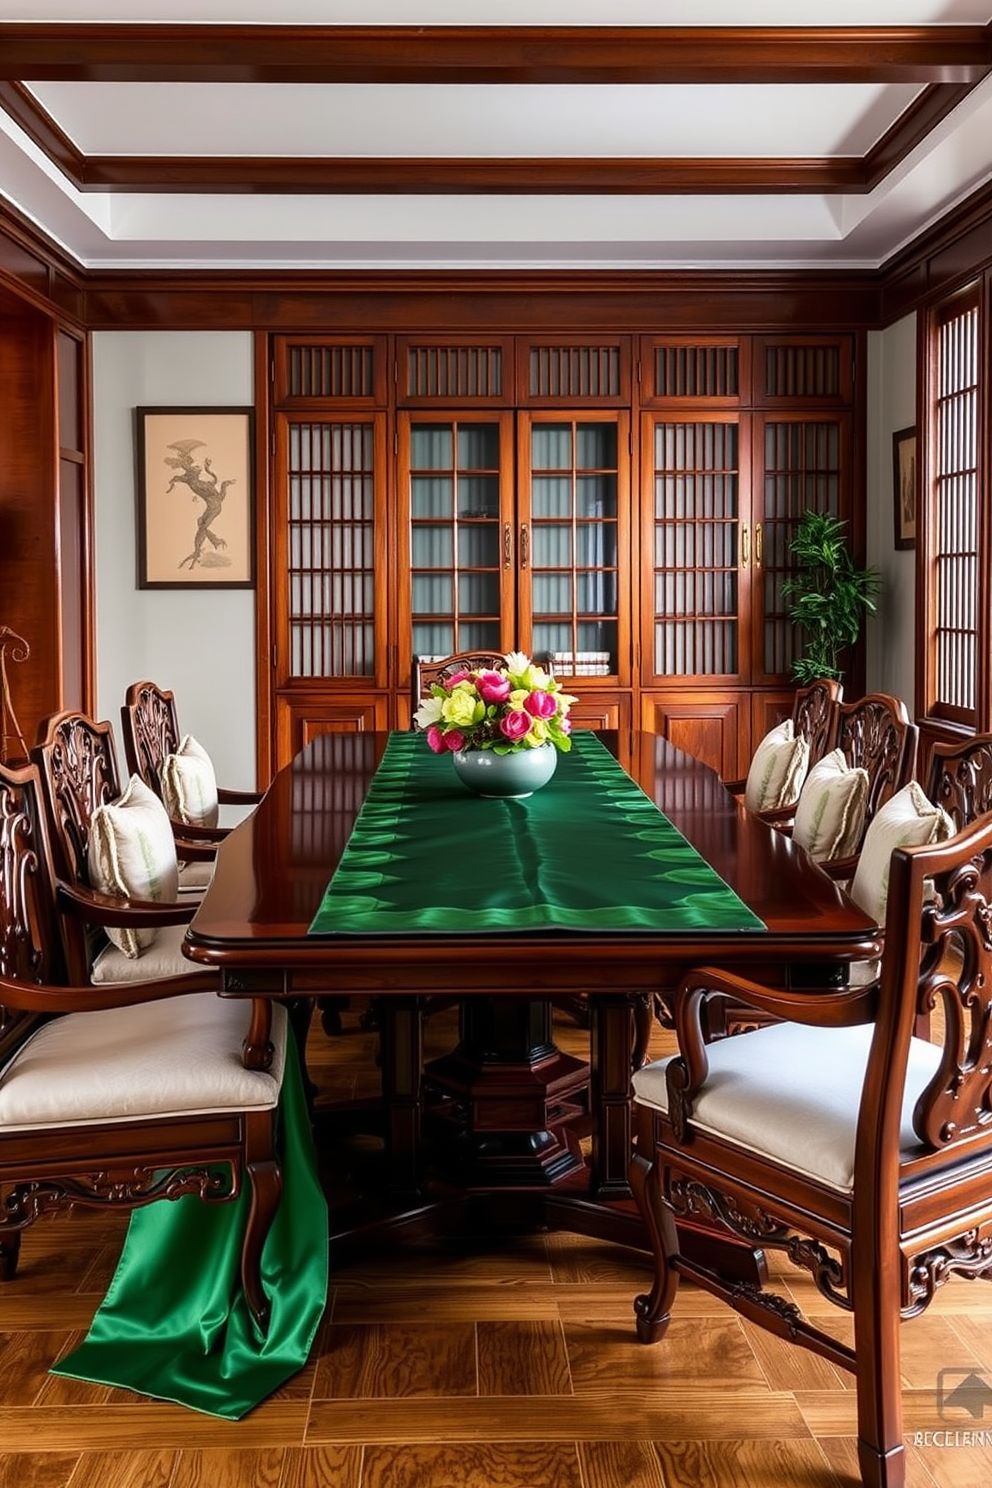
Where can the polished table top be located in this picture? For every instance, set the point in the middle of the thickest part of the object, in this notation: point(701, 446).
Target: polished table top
point(273, 868)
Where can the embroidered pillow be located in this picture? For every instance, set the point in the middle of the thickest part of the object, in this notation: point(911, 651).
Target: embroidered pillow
point(189, 785)
point(778, 769)
point(830, 813)
point(132, 852)
point(907, 820)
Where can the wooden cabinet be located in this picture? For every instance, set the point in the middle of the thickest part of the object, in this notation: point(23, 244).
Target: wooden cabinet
point(435, 494)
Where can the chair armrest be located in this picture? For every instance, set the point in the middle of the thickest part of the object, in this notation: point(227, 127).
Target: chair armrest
point(839, 869)
point(112, 909)
point(193, 836)
point(193, 849)
point(228, 797)
point(687, 1073)
point(778, 816)
point(735, 787)
point(41, 997)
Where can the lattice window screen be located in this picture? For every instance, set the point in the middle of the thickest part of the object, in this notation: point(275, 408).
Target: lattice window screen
point(331, 550)
point(697, 511)
point(697, 371)
point(454, 372)
point(956, 488)
point(802, 471)
point(344, 371)
point(802, 371)
point(574, 372)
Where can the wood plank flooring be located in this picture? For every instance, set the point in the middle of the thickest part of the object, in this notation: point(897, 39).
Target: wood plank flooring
point(501, 1362)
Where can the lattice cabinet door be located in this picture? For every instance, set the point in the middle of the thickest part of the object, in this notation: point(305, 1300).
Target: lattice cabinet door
point(697, 544)
point(801, 463)
point(330, 552)
point(457, 556)
point(573, 543)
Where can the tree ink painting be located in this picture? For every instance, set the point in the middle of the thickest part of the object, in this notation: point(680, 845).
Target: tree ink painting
point(194, 498)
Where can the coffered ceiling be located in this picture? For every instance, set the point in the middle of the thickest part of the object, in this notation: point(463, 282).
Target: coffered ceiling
point(474, 133)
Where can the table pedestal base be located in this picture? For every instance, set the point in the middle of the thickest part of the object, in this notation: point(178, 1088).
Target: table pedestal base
point(506, 1105)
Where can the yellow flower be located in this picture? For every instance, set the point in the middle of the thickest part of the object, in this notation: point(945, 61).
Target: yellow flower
point(462, 708)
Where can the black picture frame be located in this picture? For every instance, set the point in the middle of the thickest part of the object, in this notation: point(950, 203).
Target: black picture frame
point(905, 493)
point(194, 488)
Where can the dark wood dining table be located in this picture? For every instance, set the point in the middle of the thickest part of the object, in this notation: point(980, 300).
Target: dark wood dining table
point(504, 1106)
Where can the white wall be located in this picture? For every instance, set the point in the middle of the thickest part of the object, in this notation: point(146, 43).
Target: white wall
point(201, 644)
point(891, 406)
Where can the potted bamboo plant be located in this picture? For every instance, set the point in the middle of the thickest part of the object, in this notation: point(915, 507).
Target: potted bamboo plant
point(828, 595)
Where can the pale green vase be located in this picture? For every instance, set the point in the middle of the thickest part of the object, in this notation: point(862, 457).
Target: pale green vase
point(505, 776)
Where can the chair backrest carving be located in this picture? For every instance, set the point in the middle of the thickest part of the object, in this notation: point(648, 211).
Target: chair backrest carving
point(30, 947)
point(876, 734)
point(426, 672)
point(77, 761)
point(150, 730)
point(954, 883)
point(960, 778)
point(814, 716)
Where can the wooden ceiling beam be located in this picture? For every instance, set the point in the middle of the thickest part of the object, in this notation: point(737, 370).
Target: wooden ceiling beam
point(101, 52)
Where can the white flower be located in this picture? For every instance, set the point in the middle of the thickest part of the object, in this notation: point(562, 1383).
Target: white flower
point(516, 663)
point(429, 712)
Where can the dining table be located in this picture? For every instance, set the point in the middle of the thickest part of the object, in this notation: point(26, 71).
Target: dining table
point(368, 871)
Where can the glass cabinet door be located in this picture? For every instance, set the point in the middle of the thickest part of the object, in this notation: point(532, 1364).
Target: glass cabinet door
point(804, 465)
point(457, 476)
point(330, 550)
point(698, 548)
point(572, 532)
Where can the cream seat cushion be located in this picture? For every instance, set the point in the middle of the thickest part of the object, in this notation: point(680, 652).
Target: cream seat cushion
point(176, 1056)
point(163, 958)
point(778, 769)
point(791, 1093)
point(189, 785)
point(132, 852)
point(194, 877)
point(830, 813)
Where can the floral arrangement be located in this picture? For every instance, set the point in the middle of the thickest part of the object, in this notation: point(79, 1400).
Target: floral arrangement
point(506, 709)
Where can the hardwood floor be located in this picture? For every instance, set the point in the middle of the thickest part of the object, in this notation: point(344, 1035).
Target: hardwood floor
point(502, 1363)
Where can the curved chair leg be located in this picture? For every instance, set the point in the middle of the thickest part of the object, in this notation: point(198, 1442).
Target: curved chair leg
point(881, 1452)
point(654, 1311)
point(265, 1179)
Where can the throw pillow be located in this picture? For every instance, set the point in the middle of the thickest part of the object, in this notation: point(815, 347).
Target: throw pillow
point(189, 785)
point(778, 769)
point(909, 819)
point(132, 852)
point(830, 813)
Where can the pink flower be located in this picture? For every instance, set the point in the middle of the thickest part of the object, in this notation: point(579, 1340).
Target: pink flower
point(454, 740)
point(493, 687)
point(451, 682)
point(540, 705)
point(515, 725)
point(436, 740)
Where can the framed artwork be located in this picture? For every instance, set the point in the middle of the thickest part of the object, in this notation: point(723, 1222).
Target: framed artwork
point(195, 498)
point(904, 487)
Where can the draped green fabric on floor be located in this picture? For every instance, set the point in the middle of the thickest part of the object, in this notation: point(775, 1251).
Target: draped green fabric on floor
point(175, 1323)
point(588, 852)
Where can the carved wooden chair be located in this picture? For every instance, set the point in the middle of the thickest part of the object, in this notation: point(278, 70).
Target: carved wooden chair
point(114, 1096)
point(785, 754)
point(77, 764)
point(874, 759)
point(839, 1137)
point(423, 673)
point(960, 778)
point(152, 737)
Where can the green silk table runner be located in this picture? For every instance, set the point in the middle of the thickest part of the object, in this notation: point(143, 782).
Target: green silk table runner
point(175, 1322)
point(588, 852)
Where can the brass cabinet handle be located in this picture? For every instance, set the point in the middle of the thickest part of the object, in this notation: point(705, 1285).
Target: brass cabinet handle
point(524, 545)
point(507, 545)
point(745, 545)
point(757, 546)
